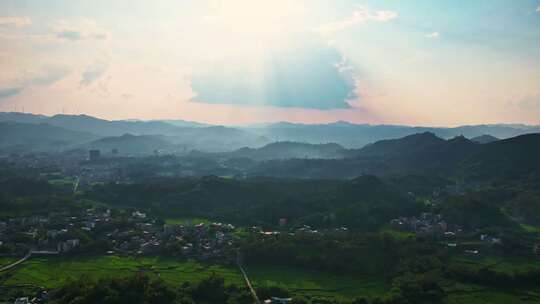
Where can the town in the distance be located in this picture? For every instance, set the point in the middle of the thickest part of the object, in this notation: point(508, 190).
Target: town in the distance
point(171, 211)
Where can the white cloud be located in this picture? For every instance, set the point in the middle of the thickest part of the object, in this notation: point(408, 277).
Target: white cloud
point(359, 16)
point(434, 35)
point(538, 9)
point(80, 30)
point(12, 85)
point(93, 73)
point(15, 21)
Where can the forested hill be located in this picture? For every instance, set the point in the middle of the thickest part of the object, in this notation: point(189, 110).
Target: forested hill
point(423, 153)
point(509, 159)
point(362, 203)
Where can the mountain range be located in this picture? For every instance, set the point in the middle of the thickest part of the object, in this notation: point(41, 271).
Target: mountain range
point(424, 153)
point(327, 141)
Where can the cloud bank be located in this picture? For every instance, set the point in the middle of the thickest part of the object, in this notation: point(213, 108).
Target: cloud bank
point(80, 30)
point(15, 22)
point(306, 74)
point(362, 15)
point(9, 92)
point(93, 73)
point(44, 77)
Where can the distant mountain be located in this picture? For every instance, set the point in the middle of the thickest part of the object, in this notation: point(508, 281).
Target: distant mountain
point(216, 138)
point(205, 138)
point(287, 150)
point(221, 138)
point(39, 137)
point(414, 154)
point(508, 159)
point(412, 144)
point(185, 123)
point(132, 144)
point(484, 139)
point(420, 152)
point(89, 124)
point(358, 135)
point(111, 128)
point(22, 117)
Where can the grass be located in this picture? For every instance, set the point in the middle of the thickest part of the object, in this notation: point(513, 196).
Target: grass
point(490, 296)
point(61, 181)
point(462, 293)
point(499, 264)
point(529, 228)
point(6, 261)
point(316, 283)
point(187, 220)
point(397, 233)
point(52, 272)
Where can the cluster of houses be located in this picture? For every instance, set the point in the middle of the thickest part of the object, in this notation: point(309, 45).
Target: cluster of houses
point(426, 224)
point(277, 300)
point(429, 224)
point(102, 231)
point(41, 297)
point(303, 230)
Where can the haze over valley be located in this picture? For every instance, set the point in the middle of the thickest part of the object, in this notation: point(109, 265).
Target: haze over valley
point(269, 152)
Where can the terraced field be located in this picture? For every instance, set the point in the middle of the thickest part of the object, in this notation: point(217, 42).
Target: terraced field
point(316, 283)
point(54, 271)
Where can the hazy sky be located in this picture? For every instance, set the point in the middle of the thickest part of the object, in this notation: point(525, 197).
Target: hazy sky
point(240, 61)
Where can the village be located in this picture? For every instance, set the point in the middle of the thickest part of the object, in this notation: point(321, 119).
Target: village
point(102, 231)
point(454, 237)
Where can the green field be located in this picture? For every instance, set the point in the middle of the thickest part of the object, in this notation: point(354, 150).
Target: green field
point(316, 283)
point(458, 293)
point(474, 294)
point(398, 234)
point(62, 181)
point(6, 261)
point(187, 221)
point(54, 271)
point(492, 297)
point(506, 265)
point(530, 229)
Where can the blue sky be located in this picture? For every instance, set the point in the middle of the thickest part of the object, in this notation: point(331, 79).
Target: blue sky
point(240, 61)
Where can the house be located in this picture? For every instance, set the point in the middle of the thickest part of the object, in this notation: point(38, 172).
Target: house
point(67, 245)
point(496, 241)
point(52, 233)
point(220, 237)
point(138, 215)
point(276, 300)
point(150, 247)
point(24, 300)
point(449, 234)
point(536, 249)
point(90, 224)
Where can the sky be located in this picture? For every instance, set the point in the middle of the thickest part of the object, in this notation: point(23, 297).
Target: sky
point(416, 62)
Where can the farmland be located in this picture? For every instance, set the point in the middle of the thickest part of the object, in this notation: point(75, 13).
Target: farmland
point(53, 272)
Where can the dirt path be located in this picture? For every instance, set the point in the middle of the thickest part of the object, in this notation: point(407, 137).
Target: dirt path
point(246, 278)
point(8, 267)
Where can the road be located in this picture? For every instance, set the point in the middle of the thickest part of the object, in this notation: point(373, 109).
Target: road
point(8, 267)
point(246, 279)
point(76, 185)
